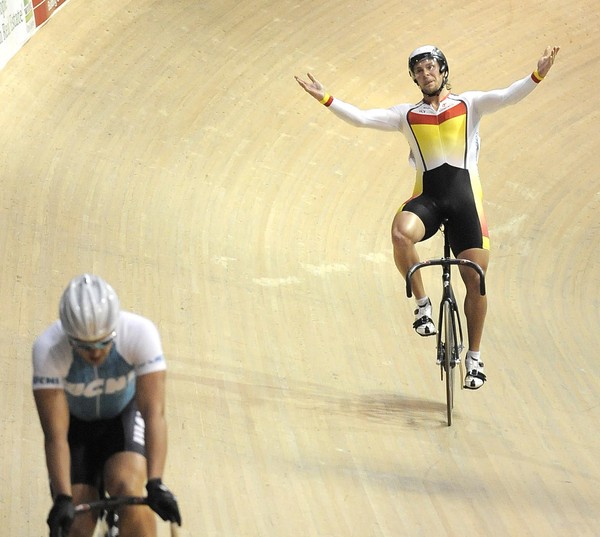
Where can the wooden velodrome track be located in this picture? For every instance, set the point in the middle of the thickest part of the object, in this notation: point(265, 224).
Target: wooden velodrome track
point(167, 147)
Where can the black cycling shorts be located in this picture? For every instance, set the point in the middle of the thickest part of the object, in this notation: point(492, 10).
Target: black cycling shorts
point(448, 194)
point(92, 443)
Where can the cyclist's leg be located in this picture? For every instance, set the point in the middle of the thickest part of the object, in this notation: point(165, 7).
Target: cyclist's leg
point(475, 312)
point(125, 472)
point(475, 305)
point(125, 475)
point(417, 220)
point(407, 230)
point(469, 240)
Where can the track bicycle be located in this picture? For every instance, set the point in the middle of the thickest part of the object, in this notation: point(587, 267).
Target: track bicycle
point(108, 510)
point(449, 336)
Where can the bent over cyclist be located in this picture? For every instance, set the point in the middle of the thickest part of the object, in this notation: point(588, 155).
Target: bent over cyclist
point(442, 130)
point(99, 389)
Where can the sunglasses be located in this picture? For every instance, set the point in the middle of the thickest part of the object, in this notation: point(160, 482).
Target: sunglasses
point(97, 345)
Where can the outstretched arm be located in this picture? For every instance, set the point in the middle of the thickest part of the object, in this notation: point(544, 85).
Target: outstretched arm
point(376, 118)
point(490, 101)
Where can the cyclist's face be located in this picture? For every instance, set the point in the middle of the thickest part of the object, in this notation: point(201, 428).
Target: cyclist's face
point(93, 355)
point(427, 74)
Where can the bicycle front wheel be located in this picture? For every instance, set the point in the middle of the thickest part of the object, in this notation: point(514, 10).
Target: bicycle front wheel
point(449, 357)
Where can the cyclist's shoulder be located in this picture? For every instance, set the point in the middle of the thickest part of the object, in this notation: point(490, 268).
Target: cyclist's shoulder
point(470, 97)
point(137, 338)
point(53, 340)
point(403, 109)
point(51, 357)
point(134, 325)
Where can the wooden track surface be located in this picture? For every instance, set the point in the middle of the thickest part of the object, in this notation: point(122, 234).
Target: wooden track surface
point(167, 147)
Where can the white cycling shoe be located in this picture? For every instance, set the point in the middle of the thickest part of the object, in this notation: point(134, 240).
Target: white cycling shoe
point(423, 324)
point(475, 376)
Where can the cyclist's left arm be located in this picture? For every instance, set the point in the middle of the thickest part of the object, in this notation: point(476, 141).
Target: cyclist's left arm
point(142, 348)
point(486, 102)
point(150, 400)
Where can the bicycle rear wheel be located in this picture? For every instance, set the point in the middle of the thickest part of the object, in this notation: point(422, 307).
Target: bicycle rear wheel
point(449, 358)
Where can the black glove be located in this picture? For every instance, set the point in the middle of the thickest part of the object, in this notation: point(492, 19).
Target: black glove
point(162, 501)
point(61, 516)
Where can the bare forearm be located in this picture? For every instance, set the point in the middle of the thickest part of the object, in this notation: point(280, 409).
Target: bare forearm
point(150, 397)
point(58, 461)
point(54, 418)
point(156, 445)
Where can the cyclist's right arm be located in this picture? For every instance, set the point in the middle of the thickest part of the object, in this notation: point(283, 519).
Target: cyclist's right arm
point(53, 413)
point(385, 119)
point(49, 367)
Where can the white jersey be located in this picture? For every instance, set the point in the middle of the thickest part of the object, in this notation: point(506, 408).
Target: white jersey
point(98, 392)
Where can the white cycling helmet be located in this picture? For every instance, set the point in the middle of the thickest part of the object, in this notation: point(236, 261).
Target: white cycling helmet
point(89, 308)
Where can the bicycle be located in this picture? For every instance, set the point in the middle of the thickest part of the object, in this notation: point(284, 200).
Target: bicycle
point(108, 513)
point(449, 336)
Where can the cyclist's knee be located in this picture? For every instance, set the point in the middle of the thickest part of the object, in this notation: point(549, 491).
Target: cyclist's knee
point(400, 239)
point(125, 485)
point(125, 474)
point(407, 230)
point(471, 281)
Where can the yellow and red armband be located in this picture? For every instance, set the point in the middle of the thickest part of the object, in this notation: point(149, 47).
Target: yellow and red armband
point(536, 77)
point(327, 99)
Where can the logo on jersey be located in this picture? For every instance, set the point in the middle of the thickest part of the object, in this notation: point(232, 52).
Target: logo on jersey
point(98, 387)
point(46, 381)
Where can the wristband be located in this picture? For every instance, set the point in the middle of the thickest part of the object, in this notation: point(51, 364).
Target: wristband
point(536, 77)
point(326, 100)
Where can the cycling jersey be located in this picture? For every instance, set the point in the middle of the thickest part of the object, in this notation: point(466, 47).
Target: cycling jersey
point(444, 150)
point(103, 391)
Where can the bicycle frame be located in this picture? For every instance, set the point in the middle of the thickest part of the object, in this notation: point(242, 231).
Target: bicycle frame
point(449, 336)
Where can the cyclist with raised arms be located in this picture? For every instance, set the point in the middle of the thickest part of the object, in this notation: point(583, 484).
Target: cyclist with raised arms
point(442, 130)
point(99, 389)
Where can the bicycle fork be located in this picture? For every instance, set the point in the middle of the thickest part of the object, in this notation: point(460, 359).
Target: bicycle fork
point(449, 307)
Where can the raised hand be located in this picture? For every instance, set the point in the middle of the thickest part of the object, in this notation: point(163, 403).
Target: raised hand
point(313, 87)
point(547, 60)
